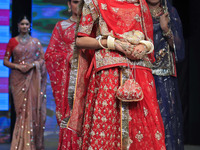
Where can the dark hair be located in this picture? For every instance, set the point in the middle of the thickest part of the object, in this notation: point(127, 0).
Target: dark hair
point(23, 17)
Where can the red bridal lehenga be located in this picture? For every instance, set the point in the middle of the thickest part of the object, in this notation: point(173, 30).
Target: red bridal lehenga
point(57, 58)
point(28, 91)
point(104, 121)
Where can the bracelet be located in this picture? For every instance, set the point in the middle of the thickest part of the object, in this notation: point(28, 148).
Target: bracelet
point(168, 34)
point(15, 66)
point(101, 44)
point(111, 42)
point(149, 45)
point(33, 64)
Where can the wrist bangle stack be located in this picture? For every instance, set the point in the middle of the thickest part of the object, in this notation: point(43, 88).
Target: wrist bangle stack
point(111, 42)
point(168, 34)
point(149, 45)
point(99, 40)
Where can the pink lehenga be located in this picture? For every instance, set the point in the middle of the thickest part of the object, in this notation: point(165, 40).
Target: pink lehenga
point(28, 90)
point(57, 58)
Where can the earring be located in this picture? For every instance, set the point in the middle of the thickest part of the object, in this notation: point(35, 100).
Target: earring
point(69, 10)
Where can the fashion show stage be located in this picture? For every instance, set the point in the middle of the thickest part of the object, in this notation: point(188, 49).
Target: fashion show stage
point(44, 14)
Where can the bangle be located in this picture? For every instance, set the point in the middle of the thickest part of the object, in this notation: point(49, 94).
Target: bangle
point(149, 46)
point(111, 42)
point(168, 34)
point(33, 64)
point(101, 44)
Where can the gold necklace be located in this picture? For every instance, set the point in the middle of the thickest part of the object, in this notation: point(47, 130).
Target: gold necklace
point(23, 39)
point(156, 12)
point(72, 19)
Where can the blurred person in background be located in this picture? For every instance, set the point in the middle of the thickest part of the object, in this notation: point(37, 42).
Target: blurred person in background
point(58, 62)
point(169, 49)
point(28, 87)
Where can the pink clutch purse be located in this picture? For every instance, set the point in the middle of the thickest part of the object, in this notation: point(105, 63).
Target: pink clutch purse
point(130, 91)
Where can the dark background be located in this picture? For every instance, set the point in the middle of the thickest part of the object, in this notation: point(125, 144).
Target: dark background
point(188, 74)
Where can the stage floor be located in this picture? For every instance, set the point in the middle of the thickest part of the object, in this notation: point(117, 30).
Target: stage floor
point(53, 146)
point(51, 142)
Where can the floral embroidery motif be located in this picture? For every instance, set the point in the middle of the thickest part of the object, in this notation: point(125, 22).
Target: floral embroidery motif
point(144, 9)
point(145, 111)
point(151, 84)
point(139, 136)
point(137, 18)
point(115, 9)
point(158, 135)
point(103, 6)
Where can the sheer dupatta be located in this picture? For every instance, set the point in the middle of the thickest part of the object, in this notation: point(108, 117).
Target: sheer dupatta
point(57, 58)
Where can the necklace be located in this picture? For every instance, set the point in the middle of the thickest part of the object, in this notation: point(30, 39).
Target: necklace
point(23, 39)
point(156, 12)
point(72, 19)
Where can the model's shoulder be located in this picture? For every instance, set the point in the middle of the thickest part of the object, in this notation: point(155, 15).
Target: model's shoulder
point(66, 23)
point(13, 39)
point(36, 41)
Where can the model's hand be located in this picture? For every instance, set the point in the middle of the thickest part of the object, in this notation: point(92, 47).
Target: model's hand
point(24, 67)
point(131, 51)
point(139, 51)
point(123, 46)
point(164, 21)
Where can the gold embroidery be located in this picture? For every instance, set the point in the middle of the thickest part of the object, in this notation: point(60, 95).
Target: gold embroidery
point(139, 136)
point(115, 9)
point(145, 111)
point(110, 60)
point(158, 135)
point(103, 6)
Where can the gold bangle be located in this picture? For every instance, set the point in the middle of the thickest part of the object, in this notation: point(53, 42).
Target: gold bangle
point(111, 42)
point(149, 45)
point(168, 34)
point(101, 44)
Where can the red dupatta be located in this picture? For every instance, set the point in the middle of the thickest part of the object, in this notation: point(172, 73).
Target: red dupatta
point(119, 18)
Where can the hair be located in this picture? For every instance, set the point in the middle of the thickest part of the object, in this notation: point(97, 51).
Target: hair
point(23, 17)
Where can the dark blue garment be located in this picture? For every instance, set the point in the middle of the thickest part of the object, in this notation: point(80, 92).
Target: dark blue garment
point(164, 70)
point(171, 112)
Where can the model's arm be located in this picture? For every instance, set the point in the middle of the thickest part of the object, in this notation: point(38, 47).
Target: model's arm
point(9, 64)
point(21, 67)
point(90, 43)
point(164, 21)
